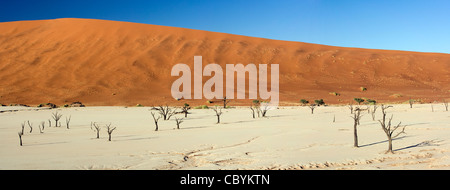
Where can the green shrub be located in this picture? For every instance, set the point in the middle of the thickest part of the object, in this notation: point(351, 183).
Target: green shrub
point(372, 102)
point(201, 107)
point(304, 102)
point(359, 100)
point(334, 93)
point(319, 102)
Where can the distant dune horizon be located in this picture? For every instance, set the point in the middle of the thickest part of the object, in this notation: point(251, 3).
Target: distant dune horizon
point(116, 63)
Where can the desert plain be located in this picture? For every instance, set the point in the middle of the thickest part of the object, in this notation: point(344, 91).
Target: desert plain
point(287, 138)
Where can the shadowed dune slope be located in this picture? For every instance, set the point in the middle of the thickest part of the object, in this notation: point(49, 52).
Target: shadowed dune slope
point(103, 63)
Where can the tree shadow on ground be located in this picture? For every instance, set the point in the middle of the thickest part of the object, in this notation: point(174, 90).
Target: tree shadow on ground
point(422, 144)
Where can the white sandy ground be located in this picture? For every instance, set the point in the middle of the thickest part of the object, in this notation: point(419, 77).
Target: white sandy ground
point(289, 138)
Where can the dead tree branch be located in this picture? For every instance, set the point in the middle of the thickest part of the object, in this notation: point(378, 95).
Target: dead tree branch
point(178, 121)
point(218, 112)
point(156, 120)
point(56, 116)
point(389, 129)
point(110, 130)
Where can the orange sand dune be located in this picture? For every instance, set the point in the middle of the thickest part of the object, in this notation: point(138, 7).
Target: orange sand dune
point(102, 63)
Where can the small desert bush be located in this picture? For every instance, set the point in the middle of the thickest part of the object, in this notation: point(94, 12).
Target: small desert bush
point(358, 100)
point(362, 89)
point(319, 102)
point(371, 102)
point(201, 107)
point(334, 93)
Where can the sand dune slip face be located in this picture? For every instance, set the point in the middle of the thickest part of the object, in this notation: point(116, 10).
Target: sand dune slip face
point(288, 138)
point(110, 63)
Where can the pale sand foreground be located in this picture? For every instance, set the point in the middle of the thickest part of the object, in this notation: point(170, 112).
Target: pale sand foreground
point(289, 138)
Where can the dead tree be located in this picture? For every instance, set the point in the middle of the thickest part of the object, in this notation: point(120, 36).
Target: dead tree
point(165, 111)
point(30, 125)
point(373, 112)
point(312, 107)
point(56, 116)
point(218, 111)
point(178, 121)
point(23, 127)
point(446, 105)
point(225, 102)
point(156, 120)
point(49, 123)
point(185, 109)
point(97, 129)
point(388, 129)
point(41, 130)
point(68, 121)
point(110, 130)
point(253, 111)
point(411, 101)
point(264, 109)
point(432, 109)
point(20, 137)
point(350, 106)
point(356, 117)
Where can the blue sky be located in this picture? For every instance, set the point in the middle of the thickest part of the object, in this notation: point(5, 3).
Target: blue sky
point(412, 25)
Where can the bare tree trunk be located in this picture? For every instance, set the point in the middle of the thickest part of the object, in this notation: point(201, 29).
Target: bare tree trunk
point(20, 138)
point(23, 127)
point(446, 105)
point(390, 145)
point(155, 119)
point(31, 126)
point(110, 130)
point(178, 121)
point(68, 121)
point(97, 128)
point(356, 117)
point(355, 134)
point(218, 111)
point(373, 112)
point(39, 126)
point(388, 130)
point(312, 107)
point(56, 116)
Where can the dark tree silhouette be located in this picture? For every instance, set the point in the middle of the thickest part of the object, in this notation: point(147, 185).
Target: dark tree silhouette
point(110, 130)
point(218, 112)
point(165, 111)
point(155, 119)
point(185, 109)
point(97, 129)
point(356, 117)
point(312, 107)
point(56, 116)
point(178, 121)
point(388, 129)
